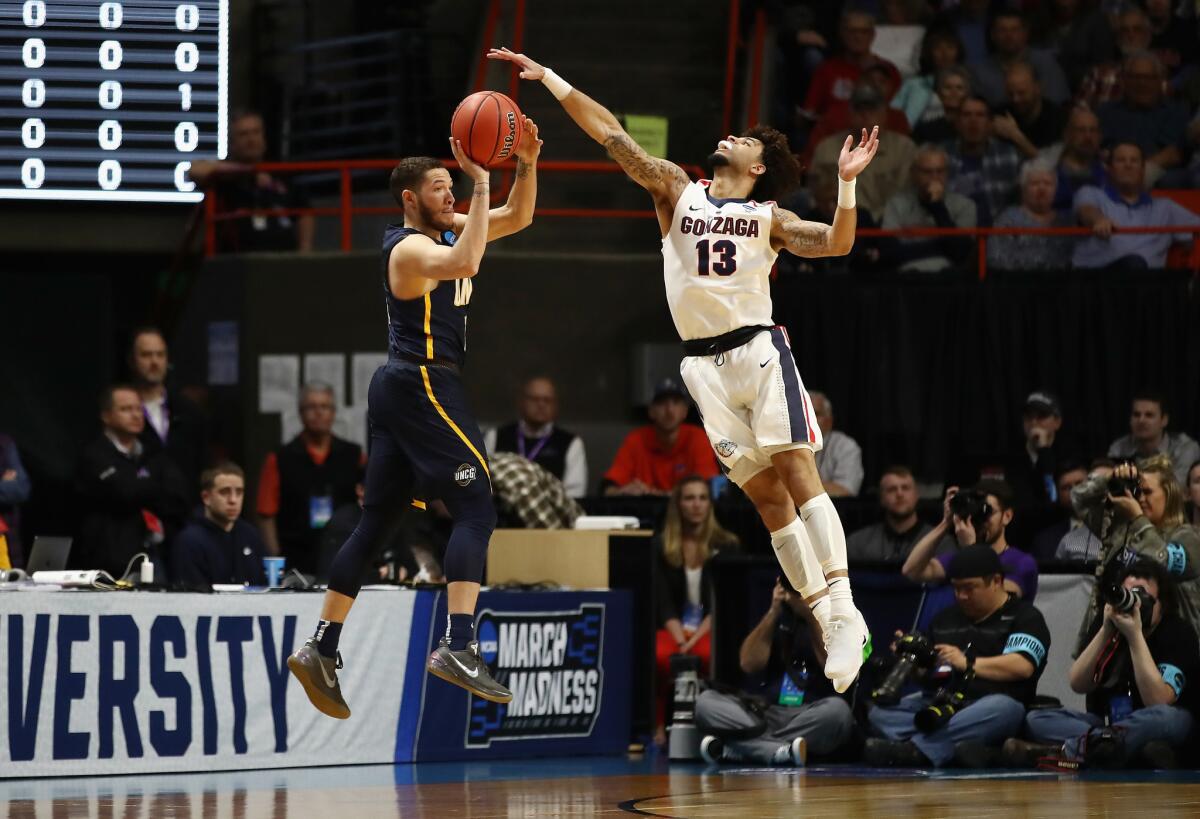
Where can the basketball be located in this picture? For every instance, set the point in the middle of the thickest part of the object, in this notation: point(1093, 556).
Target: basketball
point(488, 124)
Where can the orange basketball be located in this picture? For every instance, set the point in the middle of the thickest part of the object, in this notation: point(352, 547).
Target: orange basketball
point(488, 124)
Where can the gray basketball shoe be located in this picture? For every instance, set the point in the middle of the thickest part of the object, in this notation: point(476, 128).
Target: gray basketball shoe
point(318, 675)
point(466, 669)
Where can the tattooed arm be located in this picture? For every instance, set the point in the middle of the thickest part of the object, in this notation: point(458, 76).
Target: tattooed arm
point(813, 239)
point(664, 180)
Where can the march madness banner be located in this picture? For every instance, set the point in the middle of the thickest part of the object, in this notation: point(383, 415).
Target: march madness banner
point(124, 682)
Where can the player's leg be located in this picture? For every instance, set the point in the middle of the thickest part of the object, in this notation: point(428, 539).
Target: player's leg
point(454, 468)
point(389, 484)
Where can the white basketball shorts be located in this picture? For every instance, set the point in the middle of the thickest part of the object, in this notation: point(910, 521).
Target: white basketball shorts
point(753, 403)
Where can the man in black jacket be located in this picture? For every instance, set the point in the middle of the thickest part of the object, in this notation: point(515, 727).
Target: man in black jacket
point(217, 546)
point(133, 501)
point(173, 423)
point(305, 480)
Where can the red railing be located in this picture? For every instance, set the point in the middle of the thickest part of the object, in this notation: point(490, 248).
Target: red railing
point(756, 67)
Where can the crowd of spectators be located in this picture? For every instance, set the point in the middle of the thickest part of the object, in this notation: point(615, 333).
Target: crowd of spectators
point(1053, 114)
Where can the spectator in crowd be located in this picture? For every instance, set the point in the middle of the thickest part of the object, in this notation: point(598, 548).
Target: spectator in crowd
point(216, 545)
point(1029, 121)
point(888, 171)
point(941, 48)
point(1024, 251)
point(993, 512)
point(1124, 202)
point(1031, 472)
point(1103, 81)
point(927, 203)
point(953, 85)
point(1051, 542)
point(132, 501)
point(1193, 491)
point(867, 108)
point(839, 463)
point(1007, 638)
point(173, 423)
point(304, 480)
point(786, 712)
point(1149, 523)
point(1140, 703)
point(823, 193)
point(527, 495)
point(239, 188)
point(654, 458)
point(1010, 43)
point(894, 537)
point(690, 538)
point(1144, 116)
point(836, 77)
point(1078, 34)
point(1148, 422)
point(982, 168)
point(1173, 37)
point(535, 436)
point(14, 491)
point(1077, 159)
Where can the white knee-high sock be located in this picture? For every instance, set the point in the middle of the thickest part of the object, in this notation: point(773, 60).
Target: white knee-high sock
point(799, 562)
point(824, 529)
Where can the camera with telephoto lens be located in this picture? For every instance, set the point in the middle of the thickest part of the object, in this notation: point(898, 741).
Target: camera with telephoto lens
point(1117, 487)
point(914, 653)
point(971, 505)
point(1125, 600)
point(949, 700)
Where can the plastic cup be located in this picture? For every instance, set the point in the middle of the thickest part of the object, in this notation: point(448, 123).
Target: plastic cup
point(274, 568)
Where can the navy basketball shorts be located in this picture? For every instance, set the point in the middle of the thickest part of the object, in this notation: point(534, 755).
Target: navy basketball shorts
point(422, 430)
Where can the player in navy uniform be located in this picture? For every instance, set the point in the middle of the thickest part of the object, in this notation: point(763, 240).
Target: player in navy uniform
point(424, 441)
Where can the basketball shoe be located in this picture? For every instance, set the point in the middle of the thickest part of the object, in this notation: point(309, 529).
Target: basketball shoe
point(318, 676)
point(466, 669)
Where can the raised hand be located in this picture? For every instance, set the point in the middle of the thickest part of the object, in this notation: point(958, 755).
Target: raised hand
point(854, 159)
point(529, 69)
point(477, 172)
point(530, 145)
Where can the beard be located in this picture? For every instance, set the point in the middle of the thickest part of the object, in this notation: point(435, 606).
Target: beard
point(718, 160)
point(434, 218)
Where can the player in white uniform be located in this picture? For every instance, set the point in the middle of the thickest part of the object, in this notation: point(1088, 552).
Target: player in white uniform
point(718, 249)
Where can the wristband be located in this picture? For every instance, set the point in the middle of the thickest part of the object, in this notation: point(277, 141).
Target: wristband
point(846, 193)
point(557, 85)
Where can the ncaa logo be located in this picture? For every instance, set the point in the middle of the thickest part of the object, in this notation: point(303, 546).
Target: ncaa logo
point(726, 448)
point(464, 474)
point(489, 645)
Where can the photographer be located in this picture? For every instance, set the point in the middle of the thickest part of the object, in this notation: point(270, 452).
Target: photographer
point(1139, 512)
point(788, 712)
point(977, 515)
point(1137, 669)
point(992, 646)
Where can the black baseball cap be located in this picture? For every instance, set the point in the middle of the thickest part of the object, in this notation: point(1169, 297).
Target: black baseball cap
point(976, 560)
point(1041, 402)
point(668, 388)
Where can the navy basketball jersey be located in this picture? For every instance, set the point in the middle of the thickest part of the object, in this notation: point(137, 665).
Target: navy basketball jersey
point(430, 326)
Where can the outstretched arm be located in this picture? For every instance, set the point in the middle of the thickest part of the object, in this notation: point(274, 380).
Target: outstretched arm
point(813, 239)
point(664, 180)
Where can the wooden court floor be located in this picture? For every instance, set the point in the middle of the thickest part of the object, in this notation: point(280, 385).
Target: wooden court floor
point(610, 788)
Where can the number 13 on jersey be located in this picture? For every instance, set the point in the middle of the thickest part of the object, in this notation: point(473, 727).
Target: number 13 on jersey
point(720, 259)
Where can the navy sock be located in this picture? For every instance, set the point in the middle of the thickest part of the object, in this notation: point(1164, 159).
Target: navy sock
point(461, 630)
point(327, 635)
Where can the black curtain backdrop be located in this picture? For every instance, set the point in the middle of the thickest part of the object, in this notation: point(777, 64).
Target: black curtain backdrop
point(922, 370)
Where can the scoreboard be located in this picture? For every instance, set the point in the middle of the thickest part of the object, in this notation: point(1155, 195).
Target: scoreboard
point(110, 101)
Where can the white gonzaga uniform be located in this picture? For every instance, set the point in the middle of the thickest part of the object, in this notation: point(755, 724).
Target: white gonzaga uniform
point(717, 260)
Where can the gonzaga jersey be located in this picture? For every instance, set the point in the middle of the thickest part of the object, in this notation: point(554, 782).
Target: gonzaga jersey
point(717, 261)
point(432, 326)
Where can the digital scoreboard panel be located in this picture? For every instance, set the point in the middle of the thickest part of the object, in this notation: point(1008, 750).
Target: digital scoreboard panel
point(110, 101)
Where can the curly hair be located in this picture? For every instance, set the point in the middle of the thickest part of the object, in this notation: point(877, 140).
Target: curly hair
point(408, 174)
point(783, 167)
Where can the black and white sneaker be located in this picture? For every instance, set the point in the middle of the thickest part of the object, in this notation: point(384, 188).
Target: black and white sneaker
point(712, 748)
point(318, 677)
point(466, 669)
